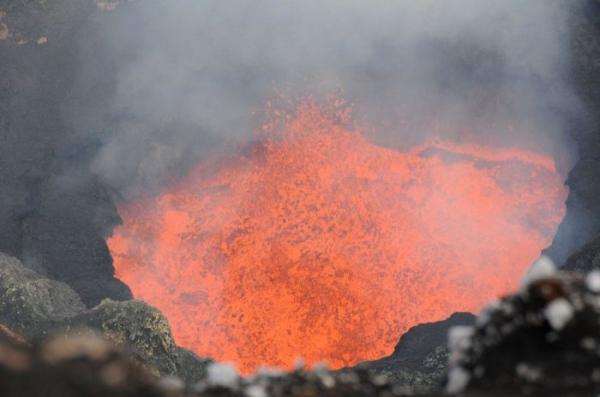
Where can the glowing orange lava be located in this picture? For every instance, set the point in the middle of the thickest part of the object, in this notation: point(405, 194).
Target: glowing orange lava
point(320, 244)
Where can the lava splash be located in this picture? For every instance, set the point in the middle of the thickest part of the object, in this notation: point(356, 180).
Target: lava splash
point(320, 244)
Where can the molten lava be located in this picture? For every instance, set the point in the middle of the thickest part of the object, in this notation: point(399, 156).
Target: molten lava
point(320, 244)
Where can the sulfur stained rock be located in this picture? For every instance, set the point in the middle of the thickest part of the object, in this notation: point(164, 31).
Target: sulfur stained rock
point(31, 304)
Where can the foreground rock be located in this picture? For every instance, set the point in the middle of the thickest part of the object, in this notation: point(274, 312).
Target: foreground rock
point(30, 303)
point(85, 365)
point(421, 356)
point(145, 333)
point(88, 365)
point(544, 340)
point(35, 307)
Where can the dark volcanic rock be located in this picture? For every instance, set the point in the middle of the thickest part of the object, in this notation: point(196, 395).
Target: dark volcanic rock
point(30, 303)
point(586, 259)
point(55, 215)
point(189, 367)
point(35, 306)
point(544, 340)
point(421, 356)
point(136, 325)
point(144, 331)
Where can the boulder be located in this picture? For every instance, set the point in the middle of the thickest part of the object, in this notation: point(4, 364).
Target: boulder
point(31, 304)
point(35, 307)
point(142, 330)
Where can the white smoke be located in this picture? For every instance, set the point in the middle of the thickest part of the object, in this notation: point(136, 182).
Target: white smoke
point(184, 78)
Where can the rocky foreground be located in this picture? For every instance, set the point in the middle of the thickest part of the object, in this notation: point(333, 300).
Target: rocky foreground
point(542, 341)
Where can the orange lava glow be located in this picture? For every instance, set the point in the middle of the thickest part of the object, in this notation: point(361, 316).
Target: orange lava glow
point(318, 243)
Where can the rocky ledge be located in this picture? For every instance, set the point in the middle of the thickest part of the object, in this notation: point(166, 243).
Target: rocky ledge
point(36, 307)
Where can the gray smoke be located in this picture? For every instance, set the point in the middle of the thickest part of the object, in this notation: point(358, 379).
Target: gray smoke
point(167, 82)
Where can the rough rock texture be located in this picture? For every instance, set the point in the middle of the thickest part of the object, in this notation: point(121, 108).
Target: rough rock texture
point(144, 331)
point(89, 366)
point(54, 213)
point(35, 306)
point(30, 303)
point(543, 340)
point(133, 324)
point(421, 356)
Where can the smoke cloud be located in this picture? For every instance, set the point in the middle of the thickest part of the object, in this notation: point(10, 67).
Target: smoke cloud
point(164, 83)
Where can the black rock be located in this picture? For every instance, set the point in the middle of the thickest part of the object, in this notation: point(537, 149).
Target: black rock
point(144, 332)
point(36, 306)
point(31, 304)
point(421, 356)
point(543, 340)
point(586, 259)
